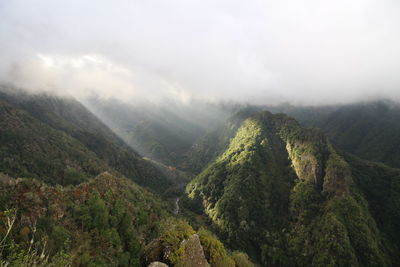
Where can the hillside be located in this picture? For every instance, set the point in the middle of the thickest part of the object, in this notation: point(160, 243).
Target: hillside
point(102, 222)
point(107, 221)
point(283, 194)
point(278, 191)
point(370, 130)
point(161, 131)
point(54, 138)
point(207, 147)
point(82, 200)
point(380, 185)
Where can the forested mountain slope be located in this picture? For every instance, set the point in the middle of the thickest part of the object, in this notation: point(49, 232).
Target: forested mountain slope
point(78, 203)
point(380, 185)
point(74, 206)
point(370, 130)
point(210, 145)
point(282, 193)
point(56, 139)
point(163, 132)
point(270, 187)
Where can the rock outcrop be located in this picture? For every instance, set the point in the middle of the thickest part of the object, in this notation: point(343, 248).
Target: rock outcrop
point(157, 264)
point(194, 253)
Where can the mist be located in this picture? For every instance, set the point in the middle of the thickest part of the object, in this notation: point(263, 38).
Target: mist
point(262, 52)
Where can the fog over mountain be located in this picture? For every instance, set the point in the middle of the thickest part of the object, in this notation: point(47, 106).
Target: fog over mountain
point(200, 133)
point(310, 52)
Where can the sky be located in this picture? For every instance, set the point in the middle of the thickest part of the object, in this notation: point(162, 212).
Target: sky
point(300, 51)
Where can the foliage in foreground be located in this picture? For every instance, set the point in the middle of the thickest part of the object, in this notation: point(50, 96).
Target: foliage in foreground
point(171, 247)
point(100, 223)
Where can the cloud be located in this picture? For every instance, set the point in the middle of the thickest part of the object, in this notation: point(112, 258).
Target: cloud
point(262, 51)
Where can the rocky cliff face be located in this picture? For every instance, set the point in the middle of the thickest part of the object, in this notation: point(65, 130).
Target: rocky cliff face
point(305, 164)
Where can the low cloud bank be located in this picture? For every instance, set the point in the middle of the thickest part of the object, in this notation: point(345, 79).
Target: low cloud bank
point(309, 52)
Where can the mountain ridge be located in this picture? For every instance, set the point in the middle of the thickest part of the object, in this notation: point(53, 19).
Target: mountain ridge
point(69, 120)
point(318, 190)
point(86, 198)
point(369, 130)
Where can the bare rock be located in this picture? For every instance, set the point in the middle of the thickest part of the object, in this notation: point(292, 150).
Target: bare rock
point(194, 253)
point(157, 264)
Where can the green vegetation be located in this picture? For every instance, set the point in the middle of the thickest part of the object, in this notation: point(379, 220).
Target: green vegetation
point(164, 131)
point(265, 185)
point(104, 222)
point(32, 149)
point(107, 221)
point(380, 185)
point(238, 189)
point(214, 250)
point(369, 130)
point(60, 142)
point(180, 243)
point(76, 208)
point(208, 147)
point(310, 210)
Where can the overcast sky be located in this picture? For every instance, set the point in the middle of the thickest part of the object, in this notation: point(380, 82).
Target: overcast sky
point(308, 51)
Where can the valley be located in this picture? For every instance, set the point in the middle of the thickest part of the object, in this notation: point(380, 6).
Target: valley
point(199, 133)
point(255, 187)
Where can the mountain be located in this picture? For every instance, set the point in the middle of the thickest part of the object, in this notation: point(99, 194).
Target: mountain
point(211, 144)
point(107, 221)
point(163, 132)
point(265, 184)
point(286, 196)
point(380, 185)
point(55, 139)
point(86, 198)
point(370, 130)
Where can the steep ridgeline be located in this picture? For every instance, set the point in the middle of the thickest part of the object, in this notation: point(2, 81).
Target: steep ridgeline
point(209, 146)
point(369, 130)
point(60, 141)
point(283, 194)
